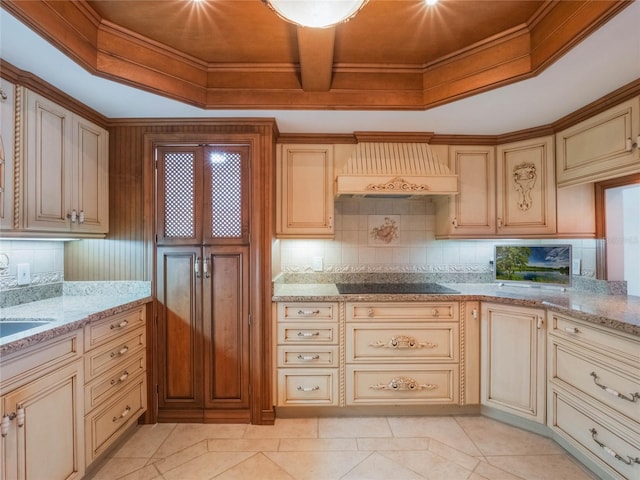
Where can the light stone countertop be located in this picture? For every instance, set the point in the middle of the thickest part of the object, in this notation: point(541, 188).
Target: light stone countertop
point(620, 312)
point(67, 313)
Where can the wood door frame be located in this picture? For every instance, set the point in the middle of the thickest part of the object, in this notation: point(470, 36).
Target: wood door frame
point(261, 141)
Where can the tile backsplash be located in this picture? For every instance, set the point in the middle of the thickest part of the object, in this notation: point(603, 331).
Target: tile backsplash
point(45, 259)
point(397, 235)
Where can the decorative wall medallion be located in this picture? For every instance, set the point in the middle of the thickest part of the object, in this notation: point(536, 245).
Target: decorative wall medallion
point(524, 178)
point(397, 184)
point(384, 230)
point(402, 384)
point(403, 341)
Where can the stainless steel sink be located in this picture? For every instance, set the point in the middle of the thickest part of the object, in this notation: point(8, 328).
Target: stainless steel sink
point(12, 326)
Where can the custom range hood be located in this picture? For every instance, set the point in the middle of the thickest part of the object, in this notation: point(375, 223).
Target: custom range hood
point(395, 169)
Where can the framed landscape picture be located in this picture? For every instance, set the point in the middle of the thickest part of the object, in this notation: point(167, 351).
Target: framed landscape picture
point(533, 264)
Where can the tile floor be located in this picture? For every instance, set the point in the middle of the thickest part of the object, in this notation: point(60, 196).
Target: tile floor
point(371, 448)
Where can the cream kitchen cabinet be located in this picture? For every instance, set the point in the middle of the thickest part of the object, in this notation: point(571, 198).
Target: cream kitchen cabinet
point(601, 147)
point(594, 395)
point(42, 408)
point(7, 145)
point(65, 176)
point(513, 359)
point(305, 186)
point(307, 354)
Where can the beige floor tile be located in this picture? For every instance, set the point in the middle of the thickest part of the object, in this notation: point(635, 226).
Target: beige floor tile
point(490, 472)
point(371, 444)
point(429, 465)
point(207, 466)
point(285, 428)
point(244, 445)
point(145, 473)
point(317, 444)
point(115, 468)
point(257, 467)
point(378, 467)
point(475, 476)
point(180, 457)
point(352, 427)
point(538, 467)
point(187, 434)
point(495, 438)
point(443, 429)
point(317, 465)
point(454, 455)
point(145, 441)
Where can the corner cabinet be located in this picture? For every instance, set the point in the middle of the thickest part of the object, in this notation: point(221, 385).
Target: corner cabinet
point(305, 186)
point(513, 358)
point(65, 171)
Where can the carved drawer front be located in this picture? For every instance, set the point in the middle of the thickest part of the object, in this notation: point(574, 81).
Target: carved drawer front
point(614, 384)
point(311, 356)
point(402, 311)
point(626, 347)
point(307, 311)
point(103, 426)
point(612, 444)
point(114, 381)
point(400, 342)
point(312, 387)
point(101, 331)
point(113, 353)
point(424, 384)
point(301, 333)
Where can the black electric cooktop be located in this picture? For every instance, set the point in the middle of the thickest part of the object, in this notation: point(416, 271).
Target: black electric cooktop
point(367, 288)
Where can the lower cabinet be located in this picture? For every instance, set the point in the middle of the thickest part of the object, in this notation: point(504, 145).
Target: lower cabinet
point(513, 360)
point(41, 407)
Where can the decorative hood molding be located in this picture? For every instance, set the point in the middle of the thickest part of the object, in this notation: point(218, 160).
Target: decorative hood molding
point(395, 169)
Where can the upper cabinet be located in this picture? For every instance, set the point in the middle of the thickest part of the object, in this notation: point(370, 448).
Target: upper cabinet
point(602, 147)
point(7, 132)
point(305, 185)
point(65, 175)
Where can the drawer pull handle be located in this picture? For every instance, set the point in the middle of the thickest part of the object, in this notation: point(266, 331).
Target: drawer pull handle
point(120, 352)
point(398, 384)
point(308, 389)
point(403, 341)
point(308, 358)
point(121, 378)
point(122, 324)
point(571, 330)
point(124, 413)
point(632, 397)
point(308, 334)
point(308, 313)
point(629, 460)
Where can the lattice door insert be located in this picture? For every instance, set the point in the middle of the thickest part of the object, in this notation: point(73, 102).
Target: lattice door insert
point(226, 194)
point(180, 194)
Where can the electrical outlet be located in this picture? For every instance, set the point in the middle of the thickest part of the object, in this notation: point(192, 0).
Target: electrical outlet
point(24, 275)
point(576, 267)
point(316, 264)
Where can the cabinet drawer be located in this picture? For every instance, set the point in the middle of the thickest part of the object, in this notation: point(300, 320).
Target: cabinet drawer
point(114, 381)
point(425, 384)
point(585, 371)
point(300, 333)
point(308, 311)
point(603, 340)
point(104, 425)
point(399, 342)
point(599, 437)
point(113, 353)
point(314, 387)
point(312, 356)
point(101, 331)
point(402, 311)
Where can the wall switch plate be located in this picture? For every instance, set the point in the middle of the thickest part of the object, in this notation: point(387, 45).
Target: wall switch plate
point(24, 274)
point(575, 266)
point(316, 264)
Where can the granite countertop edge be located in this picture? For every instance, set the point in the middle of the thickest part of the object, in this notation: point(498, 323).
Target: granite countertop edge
point(617, 312)
point(63, 321)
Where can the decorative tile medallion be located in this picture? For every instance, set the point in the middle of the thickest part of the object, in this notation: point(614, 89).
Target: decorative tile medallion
point(384, 230)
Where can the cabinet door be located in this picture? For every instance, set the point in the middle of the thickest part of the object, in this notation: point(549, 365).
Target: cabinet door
point(179, 328)
point(7, 122)
point(49, 442)
point(526, 191)
point(226, 327)
point(90, 177)
point(49, 165)
point(471, 213)
point(305, 191)
point(513, 360)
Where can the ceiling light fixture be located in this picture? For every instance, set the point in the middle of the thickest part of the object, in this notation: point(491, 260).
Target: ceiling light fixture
point(316, 13)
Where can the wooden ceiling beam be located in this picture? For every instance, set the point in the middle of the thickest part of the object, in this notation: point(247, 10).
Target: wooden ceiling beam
point(315, 49)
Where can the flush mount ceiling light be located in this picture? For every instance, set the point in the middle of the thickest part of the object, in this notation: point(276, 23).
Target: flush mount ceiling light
point(316, 13)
